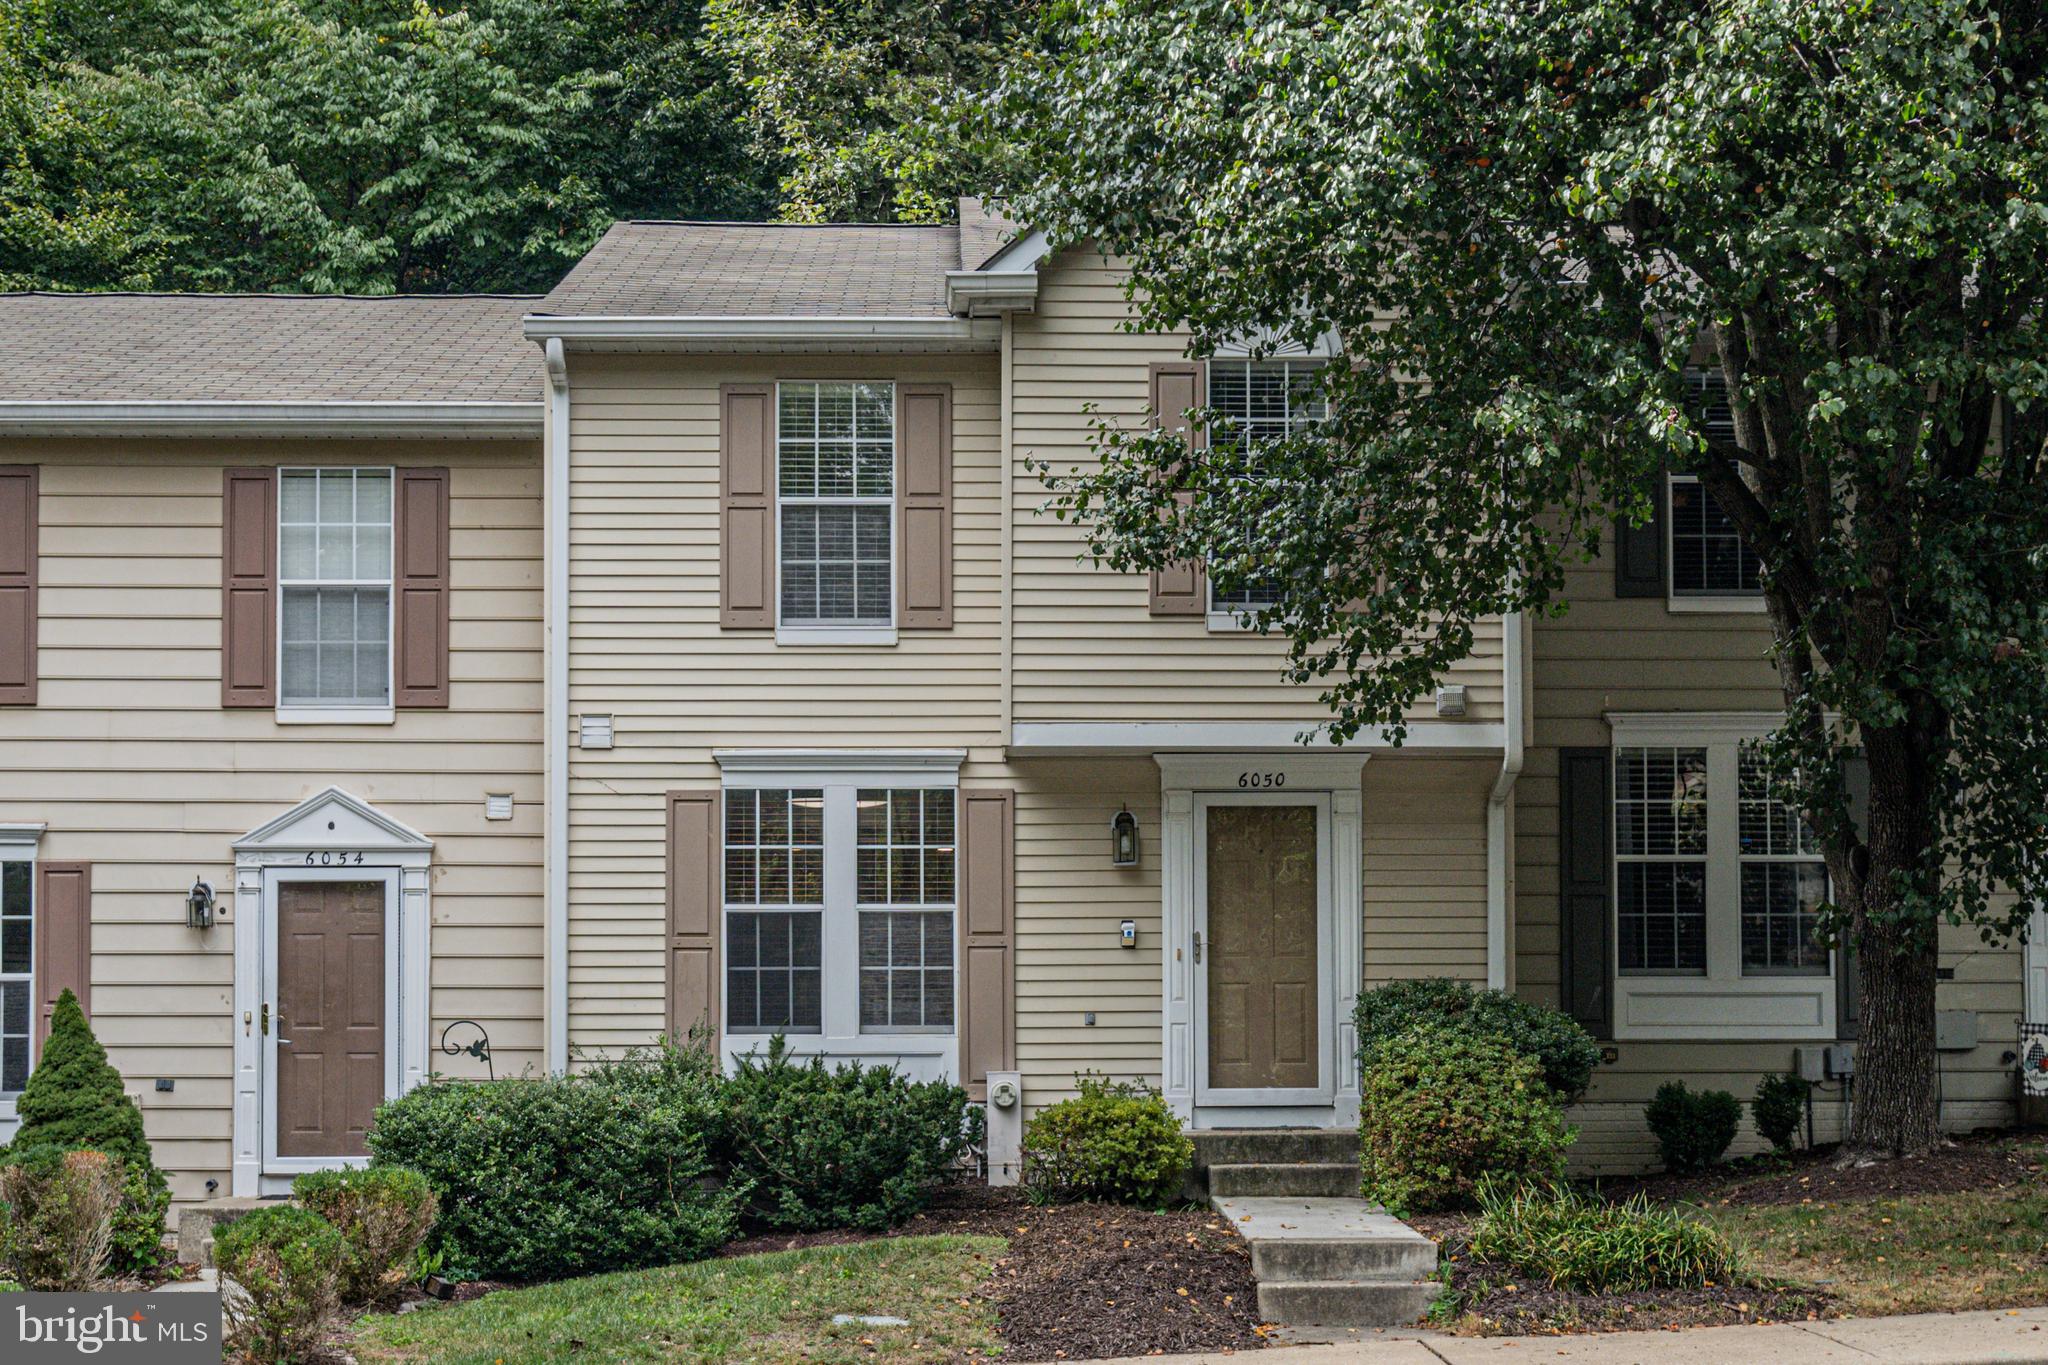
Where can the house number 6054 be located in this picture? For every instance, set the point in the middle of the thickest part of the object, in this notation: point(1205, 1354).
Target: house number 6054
point(334, 860)
point(1249, 780)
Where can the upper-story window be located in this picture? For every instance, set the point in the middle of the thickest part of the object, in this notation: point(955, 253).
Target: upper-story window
point(334, 580)
point(835, 483)
point(1707, 557)
point(1257, 401)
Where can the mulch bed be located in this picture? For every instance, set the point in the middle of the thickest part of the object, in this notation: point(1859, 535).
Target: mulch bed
point(1497, 1301)
point(1981, 1161)
point(1090, 1280)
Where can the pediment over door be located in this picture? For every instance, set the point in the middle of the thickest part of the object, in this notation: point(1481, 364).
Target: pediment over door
point(332, 819)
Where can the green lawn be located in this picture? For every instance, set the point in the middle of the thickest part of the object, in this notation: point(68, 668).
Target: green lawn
point(1931, 1253)
point(769, 1308)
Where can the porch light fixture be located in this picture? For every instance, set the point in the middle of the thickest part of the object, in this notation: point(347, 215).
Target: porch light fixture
point(199, 905)
point(1123, 839)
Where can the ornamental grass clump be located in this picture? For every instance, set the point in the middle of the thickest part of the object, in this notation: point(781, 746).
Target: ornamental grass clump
point(1595, 1247)
point(1115, 1141)
point(1439, 1109)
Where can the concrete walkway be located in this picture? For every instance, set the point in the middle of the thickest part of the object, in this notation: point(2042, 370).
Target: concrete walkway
point(1993, 1338)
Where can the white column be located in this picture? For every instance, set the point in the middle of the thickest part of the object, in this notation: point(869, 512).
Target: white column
point(1177, 921)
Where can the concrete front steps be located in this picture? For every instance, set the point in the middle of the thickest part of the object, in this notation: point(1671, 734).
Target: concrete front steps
point(1322, 1255)
point(198, 1222)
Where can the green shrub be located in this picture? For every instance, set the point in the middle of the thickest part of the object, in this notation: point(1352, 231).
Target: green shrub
point(561, 1176)
point(1114, 1141)
point(287, 1263)
point(1693, 1127)
point(383, 1214)
point(850, 1146)
point(1441, 1108)
point(1779, 1105)
point(57, 1218)
point(1596, 1247)
point(74, 1101)
point(1564, 1050)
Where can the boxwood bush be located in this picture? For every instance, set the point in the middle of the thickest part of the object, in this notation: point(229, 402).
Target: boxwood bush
point(1779, 1105)
point(1693, 1127)
point(850, 1146)
point(547, 1178)
point(1561, 1047)
point(383, 1214)
point(1114, 1141)
point(288, 1262)
point(1441, 1108)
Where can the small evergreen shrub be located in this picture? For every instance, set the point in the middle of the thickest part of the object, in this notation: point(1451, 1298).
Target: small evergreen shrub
point(560, 1176)
point(1114, 1141)
point(1594, 1247)
point(847, 1146)
point(383, 1214)
point(57, 1218)
point(1693, 1127)
point(1564, 1050)
point(1779, 1105)
point(1441, 1108)
point(74, 1101)
point(286, 1264)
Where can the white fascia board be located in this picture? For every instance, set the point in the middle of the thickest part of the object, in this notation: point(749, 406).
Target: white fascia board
point(1023, 254)
point(981, 293)
point(206, 417)
point(1051, 738)
point(947, 332)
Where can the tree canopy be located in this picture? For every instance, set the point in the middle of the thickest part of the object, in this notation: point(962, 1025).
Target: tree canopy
point(1525, 223)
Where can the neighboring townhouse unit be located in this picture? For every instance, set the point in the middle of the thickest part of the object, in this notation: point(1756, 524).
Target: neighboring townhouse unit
point(825, 730)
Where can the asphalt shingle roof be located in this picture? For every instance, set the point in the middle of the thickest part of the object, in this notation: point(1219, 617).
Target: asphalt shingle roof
point(268, 348)
point(651, 269)
point(982, 234)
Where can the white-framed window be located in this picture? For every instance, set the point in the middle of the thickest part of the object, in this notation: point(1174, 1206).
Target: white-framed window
point(1717, 887)
point(17, 966)
point(334, 537)
point(1256, 401)
point(1709, 567)
point(835, 479)
point(841, 907)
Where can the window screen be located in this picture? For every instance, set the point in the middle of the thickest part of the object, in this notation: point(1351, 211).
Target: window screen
point(334, 572)
point(1257, 401)
point(835, 479)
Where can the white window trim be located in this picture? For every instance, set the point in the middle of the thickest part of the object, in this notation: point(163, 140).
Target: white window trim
point(1697, 601)
point(300, 713)
point(18, 843)
point(1720, 1004)
point(924, 1054)
point(840, 633)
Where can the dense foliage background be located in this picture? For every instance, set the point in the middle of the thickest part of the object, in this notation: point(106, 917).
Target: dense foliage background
point(380, 145)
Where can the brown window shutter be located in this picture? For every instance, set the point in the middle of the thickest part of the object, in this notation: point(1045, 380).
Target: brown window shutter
point(1179, 589)
point(19, 520)
point(248, 616)
point(988, 914)
point(419, 586)
point(694, 845)
point(63, 934)
point(746, 522)
point(924, 492)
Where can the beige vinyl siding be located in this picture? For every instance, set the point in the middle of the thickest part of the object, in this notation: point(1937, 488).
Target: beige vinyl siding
point(135, 767)
point(646, 646)
point(1615, 655)
point(1425, 868)
point(1086, 647)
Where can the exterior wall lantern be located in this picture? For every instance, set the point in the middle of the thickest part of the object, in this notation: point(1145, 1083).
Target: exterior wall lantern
point(199, 905)
point(1123, 839)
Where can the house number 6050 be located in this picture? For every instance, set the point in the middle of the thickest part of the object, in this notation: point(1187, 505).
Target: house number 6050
point(334, 860)
point(1249, 780)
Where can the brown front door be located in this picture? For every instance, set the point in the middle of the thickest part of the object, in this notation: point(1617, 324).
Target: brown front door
point(1264, 1005)
point(330, 1015)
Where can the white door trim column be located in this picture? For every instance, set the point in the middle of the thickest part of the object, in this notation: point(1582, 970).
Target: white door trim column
point(1340, 775)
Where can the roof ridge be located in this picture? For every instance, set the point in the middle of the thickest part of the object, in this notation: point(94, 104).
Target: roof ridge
point(758, 223)
point(239, 294)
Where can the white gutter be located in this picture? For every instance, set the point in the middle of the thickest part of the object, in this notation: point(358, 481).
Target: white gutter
point(980, 293)
point(555, 709)
point(206, 417)
point(1512, 744)
point(949, 332)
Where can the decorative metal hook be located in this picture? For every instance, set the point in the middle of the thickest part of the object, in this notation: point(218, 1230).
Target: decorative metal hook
point(478, 1047)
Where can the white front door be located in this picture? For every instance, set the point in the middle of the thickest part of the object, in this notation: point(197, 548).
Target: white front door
point(1265, 1018)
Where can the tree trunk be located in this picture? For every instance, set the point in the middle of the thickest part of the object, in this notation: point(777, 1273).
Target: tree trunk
point(1895, 1106)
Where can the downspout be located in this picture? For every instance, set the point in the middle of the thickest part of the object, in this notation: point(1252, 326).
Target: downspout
point(1512, 703)
point(555, 708)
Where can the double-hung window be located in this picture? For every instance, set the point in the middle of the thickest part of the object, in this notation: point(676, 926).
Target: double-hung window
point(334, 581)
point(835, 454)
point(1710, 565)
point(840, 913)
point(17, 966)
point(1717, 888)
point(1257, 401)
